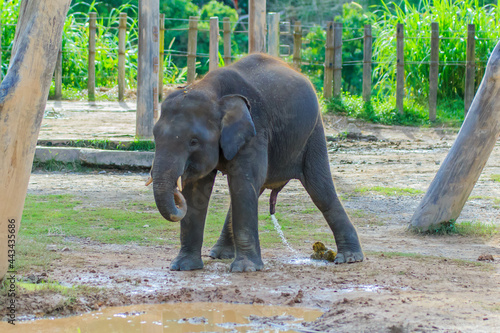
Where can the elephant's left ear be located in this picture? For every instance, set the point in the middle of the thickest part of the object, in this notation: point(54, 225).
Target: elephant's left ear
point(237, 124)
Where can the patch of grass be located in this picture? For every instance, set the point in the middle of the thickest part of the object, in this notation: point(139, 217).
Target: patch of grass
point(310, 211)
point(383, 110)
point(466, 228)
point(495, 178)
point(53, 165)
point(108, 225)
point(479, 229)
point(389, 191)
point(496, 200)
point(135, 145)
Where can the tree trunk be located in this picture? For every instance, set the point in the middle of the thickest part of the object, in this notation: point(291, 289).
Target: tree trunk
point(461, 169)
point(23, 95)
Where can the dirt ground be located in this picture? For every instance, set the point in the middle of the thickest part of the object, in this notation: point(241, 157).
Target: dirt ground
point(408, 282)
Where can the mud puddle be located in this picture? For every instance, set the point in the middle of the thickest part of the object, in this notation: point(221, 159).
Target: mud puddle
point(180, 317)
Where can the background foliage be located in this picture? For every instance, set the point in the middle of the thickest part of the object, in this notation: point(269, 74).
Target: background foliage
point(417, 15)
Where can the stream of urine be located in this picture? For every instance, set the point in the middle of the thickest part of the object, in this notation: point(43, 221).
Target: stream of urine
point(277, 227)
point(173, 318)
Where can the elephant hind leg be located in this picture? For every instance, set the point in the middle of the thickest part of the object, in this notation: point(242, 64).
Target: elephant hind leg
point(317, 180)
point(224, 248)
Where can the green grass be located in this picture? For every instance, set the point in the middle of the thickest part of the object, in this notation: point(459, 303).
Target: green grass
point(465, 228)
point(495, 178)
point(51, 219)
point(135, 145)
point(383, 111)
point(388, 191)
point(479, 229)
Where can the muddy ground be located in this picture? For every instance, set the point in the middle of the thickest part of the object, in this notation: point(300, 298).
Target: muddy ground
point(408, 282)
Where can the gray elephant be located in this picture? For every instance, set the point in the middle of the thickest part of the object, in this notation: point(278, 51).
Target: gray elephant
point(258, 121)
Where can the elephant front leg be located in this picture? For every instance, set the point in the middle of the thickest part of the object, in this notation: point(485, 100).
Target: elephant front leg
point(197, 195)
point(244, 201)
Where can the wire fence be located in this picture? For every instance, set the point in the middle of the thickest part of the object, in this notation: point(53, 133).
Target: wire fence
point(312, 39)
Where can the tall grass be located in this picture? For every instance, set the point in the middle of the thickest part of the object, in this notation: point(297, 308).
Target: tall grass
point(453, 17)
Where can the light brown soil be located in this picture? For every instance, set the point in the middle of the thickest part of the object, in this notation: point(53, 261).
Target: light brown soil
point(408, 282)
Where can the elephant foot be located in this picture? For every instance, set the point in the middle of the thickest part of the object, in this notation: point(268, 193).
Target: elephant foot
point(245, 264)
point(222, 252)
point(186, 262)
point(348, 256)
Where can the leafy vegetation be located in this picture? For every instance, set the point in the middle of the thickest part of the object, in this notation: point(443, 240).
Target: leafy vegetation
point(416, 15)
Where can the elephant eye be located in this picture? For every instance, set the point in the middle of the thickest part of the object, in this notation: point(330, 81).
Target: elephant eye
point(193, 142)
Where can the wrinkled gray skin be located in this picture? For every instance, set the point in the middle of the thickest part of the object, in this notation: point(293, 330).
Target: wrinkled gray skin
point(258, 121)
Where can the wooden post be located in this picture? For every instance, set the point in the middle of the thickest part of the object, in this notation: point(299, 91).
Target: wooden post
point(58, 76)
point(273, 34)
point(91, 65)
point(462, 167)
point(192, 43)
point(1, 73)
point(122, 36)
point(148, 68)
point(400, 68)
point(214, 44)
point(162, 57)
point(470, 71)
point(367, 64)
point(256, 26)
point(434, 71)
point(297, 45)
point(328, 78)
point(22, 104)
point(227, 41)
point(337, 56)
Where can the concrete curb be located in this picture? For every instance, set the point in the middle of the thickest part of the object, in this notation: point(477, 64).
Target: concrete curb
point(96, 157)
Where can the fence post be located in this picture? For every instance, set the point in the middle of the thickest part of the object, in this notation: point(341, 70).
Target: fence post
point(367, 63)
point(148, 68)
point(337, 56)
point(1, 73)
point(58, 76)
point(122, 35)
point(162, 57)
point(213, 56)
point(434, 71)
point(273, 34)
point(470, 70)
point(192, 43)
point(328, 78)
point(227, 41)
point(256, 26)
point(400, 68)
point(91, 65)
point(297, 45)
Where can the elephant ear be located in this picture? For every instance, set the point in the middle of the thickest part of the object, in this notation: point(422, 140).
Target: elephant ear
point(237, 124)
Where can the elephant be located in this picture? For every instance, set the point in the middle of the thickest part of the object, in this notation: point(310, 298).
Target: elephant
point(258, 122)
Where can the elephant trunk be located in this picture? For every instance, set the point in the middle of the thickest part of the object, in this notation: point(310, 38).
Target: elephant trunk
point(169, 199)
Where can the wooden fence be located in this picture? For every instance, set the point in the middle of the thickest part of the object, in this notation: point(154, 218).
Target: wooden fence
point(332, 64)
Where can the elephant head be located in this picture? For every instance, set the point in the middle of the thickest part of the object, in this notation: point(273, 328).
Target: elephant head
point(193, 130)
